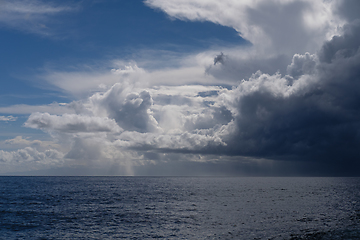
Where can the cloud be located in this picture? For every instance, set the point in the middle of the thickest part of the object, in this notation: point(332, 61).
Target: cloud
point(282, 26)
point(310, 114)
point(29, 158)
point(120, 125)
point(8, 118)
point(29, 154)
point(348, 9)
point(131, 110)
point(30, 16)
point(342, 47)
point(276, 30)
point(21, 142)
point(81, 84)
point(289, 101)
point(302, 64)
point(70, 123)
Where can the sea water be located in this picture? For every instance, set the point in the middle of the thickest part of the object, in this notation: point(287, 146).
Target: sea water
point(179, 208)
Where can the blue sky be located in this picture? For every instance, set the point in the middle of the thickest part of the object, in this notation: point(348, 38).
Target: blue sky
point(160, 87)
point(90, 32)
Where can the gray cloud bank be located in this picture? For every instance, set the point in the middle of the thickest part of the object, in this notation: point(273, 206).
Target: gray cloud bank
point(312, 113)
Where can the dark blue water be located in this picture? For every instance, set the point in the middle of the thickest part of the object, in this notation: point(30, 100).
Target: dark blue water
point(179, 208)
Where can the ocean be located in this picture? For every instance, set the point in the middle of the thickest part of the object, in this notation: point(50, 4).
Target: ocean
point(179, 208)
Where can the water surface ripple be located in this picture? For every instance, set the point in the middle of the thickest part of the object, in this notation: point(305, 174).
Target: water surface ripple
point(179, 208)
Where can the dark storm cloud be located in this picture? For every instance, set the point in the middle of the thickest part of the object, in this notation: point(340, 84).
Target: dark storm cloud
point(349, 9)
point(320, 121)
point(342, 47)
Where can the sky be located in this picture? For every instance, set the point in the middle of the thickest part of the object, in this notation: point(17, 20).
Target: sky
point(180, 87)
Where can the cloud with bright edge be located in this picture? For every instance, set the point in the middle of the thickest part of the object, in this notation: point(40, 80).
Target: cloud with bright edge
point(298, 102)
